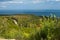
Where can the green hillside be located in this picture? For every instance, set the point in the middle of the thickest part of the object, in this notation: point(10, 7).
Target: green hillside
point(30, 27)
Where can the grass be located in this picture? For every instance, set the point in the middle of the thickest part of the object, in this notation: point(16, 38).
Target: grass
point(30, 27)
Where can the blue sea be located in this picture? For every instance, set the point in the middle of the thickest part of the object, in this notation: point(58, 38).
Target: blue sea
point(34, 12)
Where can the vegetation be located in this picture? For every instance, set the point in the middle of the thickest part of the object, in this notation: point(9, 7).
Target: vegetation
point(30, 27)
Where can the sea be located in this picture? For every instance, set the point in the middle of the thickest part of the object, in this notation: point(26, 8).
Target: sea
point(34, 12)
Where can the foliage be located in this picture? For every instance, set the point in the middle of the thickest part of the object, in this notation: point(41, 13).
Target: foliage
point(30, 27)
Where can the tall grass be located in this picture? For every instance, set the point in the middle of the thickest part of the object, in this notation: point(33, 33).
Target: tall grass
point(30, 27)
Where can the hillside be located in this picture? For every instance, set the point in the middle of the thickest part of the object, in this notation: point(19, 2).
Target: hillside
point(29, 27)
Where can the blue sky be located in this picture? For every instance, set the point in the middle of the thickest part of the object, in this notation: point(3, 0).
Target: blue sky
point(29, 4)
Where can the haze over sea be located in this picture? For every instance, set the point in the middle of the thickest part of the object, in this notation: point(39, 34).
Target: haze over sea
point(34, 12)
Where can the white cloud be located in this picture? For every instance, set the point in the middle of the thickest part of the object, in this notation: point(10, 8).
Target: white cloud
point(53, 0)
point(7, 3)
point(38, 1)
point(12, 2)
point(57, 0)
point(15, 2)
point(3, 5)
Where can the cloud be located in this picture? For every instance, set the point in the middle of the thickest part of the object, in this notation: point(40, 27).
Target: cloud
point(52, 0)
point(38, 1)
point(57, 0)
point(13, 3)
point(4, 0)
point(25, 4)
point(9, 3)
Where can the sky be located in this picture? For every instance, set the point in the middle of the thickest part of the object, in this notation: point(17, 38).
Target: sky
point(29, 4)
